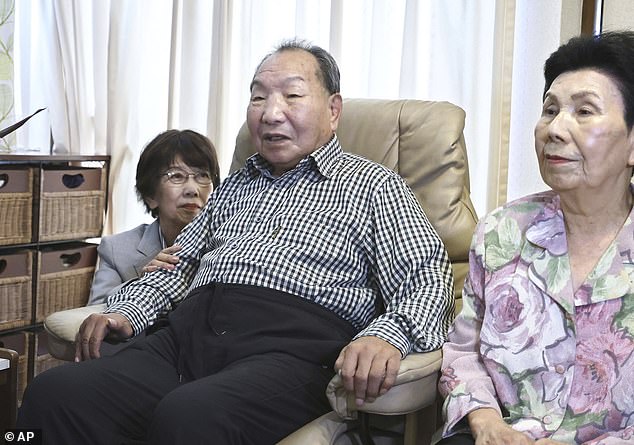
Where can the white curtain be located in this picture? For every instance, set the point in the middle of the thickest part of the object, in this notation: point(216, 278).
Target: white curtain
point(114, 73)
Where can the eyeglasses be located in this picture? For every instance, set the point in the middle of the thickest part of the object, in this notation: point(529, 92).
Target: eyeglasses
point(179, 176)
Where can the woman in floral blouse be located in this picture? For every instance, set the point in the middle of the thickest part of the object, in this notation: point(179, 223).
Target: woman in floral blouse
point(543, 350)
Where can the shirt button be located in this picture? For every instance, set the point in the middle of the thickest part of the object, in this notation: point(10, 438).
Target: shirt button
point(560, 369)
point(258, 219)
point(547, 420)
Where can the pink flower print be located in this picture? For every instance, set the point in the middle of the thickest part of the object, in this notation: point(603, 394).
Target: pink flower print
point(548, 231)
point(626, 434)
point(507, 316)
point(597, 318)
point(506, 391)
point(584, 294)
point(600, 354)
point(623, 390)
point(513, 330)
point(448, 381)
point(594, 380)
point(477, 274)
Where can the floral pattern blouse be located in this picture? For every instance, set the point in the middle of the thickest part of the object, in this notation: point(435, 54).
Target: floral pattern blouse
point(553, 362)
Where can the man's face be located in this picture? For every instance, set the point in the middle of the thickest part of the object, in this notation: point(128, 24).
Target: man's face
point(290, 113)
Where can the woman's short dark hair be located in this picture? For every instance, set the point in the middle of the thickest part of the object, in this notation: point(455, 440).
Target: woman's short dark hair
point(611, 53)
point(159, 154)
point(328, 72)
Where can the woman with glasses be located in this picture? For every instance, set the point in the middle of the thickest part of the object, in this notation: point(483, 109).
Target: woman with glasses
point(175, 175)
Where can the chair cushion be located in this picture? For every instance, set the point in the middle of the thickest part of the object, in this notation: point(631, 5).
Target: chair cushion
point(62, 327)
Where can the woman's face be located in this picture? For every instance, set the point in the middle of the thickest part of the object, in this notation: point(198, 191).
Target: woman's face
point(581, 139)
point(178, 204)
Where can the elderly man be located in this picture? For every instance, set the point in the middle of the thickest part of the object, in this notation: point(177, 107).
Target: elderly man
point(305, 262)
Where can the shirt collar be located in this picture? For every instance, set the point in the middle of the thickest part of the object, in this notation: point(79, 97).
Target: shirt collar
point(547, 231)
point(321, 161)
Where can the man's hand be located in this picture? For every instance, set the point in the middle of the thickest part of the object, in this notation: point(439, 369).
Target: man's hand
point(165, 259)
point(97, 327)
point(368, 367)
point(488, 428)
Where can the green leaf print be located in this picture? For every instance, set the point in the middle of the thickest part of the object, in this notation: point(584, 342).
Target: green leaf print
point(610, 286)
point(527, 207)
point(605, 262)
point(503, 243)
point(509, 233)
point(624, 319)
point(557, 273)
point(573, 421)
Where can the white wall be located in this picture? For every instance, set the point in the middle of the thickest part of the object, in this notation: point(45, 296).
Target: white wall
point(618, 14)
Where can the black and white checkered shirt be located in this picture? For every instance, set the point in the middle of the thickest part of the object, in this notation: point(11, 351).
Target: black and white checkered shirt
point(339, 230)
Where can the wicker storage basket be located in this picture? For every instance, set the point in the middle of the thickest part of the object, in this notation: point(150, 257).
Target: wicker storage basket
point(43, 360)
point(16, 205)
point(19, 342)
point(64, 277)
point(71, 203)
point(15, 289)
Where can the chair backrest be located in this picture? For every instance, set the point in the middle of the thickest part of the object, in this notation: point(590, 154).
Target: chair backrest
point(422, 141)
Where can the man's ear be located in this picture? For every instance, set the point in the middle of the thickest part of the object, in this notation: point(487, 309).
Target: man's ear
point(335, 102)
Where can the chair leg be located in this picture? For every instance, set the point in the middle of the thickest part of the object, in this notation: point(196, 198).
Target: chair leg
point(411, 429)
point(421, 426)
point(364, 428)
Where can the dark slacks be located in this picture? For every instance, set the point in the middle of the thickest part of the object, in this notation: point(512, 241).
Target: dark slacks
point(458, 439)
point(236, 365)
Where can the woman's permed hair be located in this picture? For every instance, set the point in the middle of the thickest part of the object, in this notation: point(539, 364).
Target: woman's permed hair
point(159, 154)
point(611, 53)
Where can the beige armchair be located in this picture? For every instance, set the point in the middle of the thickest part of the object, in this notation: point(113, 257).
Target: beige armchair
point(422, 141)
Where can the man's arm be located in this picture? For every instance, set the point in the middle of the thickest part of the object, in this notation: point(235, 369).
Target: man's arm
point(414, 277)
point(143, 300)
point(413, 273)
point(138, 303)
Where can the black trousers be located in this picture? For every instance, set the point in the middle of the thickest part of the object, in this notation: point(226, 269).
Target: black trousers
point(458, 439)
point(235, 365)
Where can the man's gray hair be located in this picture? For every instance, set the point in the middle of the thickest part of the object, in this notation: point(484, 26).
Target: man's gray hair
point(328, 72)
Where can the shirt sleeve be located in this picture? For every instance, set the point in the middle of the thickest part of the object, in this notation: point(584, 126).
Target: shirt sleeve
point(412, 271)
point(142, 301)
point(465, 382)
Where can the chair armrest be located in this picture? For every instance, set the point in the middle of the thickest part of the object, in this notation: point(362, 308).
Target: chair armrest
point(415, 388)
point(62, 327)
